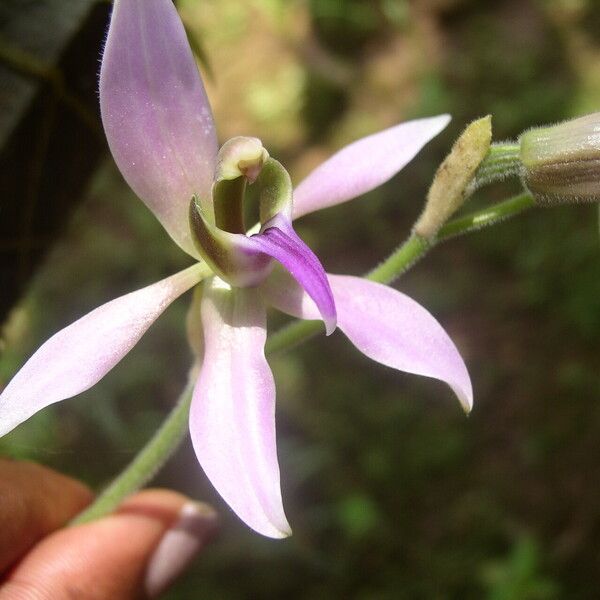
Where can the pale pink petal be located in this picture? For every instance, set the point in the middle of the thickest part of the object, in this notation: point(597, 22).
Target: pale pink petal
point(364, 165)
point(232, 418)
point(77, 357)
point(383, 324)
point(155, 112)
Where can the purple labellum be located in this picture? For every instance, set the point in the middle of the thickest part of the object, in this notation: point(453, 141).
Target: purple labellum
point(279, 240)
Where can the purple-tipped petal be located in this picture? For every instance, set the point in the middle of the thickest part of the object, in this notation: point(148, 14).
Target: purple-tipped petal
point(364, 165)
point(279, 240)
point(232, 417)
point(155, 112)
point(383, 324)
point(77, 357)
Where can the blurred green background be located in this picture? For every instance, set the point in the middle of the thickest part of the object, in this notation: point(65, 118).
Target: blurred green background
point(391, 491)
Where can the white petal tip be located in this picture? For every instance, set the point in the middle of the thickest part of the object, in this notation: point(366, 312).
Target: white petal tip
point(281, 535)
point(466, 403)
point(435, 125)
point(441, 121)
point(271, 530)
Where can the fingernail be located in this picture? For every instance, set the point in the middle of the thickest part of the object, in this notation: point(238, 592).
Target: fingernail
point(196, 525)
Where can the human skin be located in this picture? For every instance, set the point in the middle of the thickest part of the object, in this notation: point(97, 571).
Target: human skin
point(135, 552)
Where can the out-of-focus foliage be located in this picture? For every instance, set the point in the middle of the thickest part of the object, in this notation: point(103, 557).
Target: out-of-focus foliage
point(392, 492)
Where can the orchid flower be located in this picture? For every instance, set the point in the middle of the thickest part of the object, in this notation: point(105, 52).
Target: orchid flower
point(160, 130)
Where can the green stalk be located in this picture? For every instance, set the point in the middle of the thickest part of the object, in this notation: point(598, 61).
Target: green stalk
point(146, 464)
point(401, 260)
point(170, 434)
point(486, 217)
point(503, 161)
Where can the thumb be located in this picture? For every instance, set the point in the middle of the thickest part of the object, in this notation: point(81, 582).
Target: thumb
point(136, 552)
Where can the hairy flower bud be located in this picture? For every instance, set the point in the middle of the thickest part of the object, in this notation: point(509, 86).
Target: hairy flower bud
point(561, 163)
point(448, 190)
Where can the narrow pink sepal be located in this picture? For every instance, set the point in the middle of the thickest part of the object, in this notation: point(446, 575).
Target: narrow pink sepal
point(232, 417)
point(383, 324)
point(77, 357)
point(364, 165)
point(155, 112)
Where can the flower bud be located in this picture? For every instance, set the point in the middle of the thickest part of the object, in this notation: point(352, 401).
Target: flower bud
point(448, 190)
point(561, 163)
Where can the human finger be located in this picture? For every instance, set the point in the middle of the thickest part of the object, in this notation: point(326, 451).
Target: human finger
point(34, 501)
point(135, 553)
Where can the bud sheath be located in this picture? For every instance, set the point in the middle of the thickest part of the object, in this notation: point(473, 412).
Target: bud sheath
point(561, 163)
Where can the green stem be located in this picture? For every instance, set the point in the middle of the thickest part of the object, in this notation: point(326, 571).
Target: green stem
point(291, 336)
point(486, 217)
point(503, 161)
point(169, 436)
point(146, 464)
point(415, 247)
point(401, 260)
